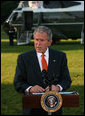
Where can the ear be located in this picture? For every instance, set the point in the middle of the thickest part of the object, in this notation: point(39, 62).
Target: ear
point(49, 42)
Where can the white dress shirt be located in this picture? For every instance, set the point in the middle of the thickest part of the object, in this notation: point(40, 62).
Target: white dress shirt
point(47, 60)
point(40, 57)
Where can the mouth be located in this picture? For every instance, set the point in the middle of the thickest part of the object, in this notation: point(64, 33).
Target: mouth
point(39, 48)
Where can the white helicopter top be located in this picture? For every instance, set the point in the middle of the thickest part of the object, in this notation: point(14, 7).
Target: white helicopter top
point(37, 6)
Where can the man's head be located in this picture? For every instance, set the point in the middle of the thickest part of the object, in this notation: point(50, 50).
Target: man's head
point(42, 38)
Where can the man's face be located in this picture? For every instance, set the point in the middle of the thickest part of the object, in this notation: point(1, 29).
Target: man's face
point(41, 42)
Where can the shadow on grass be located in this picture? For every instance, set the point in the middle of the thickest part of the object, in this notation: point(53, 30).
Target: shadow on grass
point(11, 101)
point(6, 48)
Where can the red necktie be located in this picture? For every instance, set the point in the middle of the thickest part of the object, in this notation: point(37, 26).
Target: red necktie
point(44, 63)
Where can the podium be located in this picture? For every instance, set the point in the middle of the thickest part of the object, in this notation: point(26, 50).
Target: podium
point(70, 99)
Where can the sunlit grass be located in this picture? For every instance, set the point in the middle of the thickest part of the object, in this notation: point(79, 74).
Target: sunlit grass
point(11, 101)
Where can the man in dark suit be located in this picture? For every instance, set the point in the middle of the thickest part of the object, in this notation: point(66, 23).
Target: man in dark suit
point(28, 76)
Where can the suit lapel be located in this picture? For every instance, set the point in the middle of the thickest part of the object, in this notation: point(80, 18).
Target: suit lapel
point(51, 64)
point(52, 61)
point(36, 64)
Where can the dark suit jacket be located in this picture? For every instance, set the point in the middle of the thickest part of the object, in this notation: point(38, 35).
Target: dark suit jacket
point(28, 71)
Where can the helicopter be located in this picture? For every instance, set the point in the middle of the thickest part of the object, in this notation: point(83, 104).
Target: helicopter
point(64, 18)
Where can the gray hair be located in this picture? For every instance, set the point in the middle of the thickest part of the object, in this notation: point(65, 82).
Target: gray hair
point(42, 29)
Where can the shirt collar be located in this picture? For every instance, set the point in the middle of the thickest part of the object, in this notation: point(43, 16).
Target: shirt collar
point(46, 53)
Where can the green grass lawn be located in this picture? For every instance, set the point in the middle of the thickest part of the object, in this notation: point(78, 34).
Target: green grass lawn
point(11, 101)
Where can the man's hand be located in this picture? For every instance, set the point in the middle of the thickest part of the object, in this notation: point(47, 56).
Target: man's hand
point(36, 89)
point(53, 88)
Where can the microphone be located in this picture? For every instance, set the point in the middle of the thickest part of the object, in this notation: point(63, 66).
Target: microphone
point(55, 78)
point(44, 77)
point(48, 82)
point(44, 73)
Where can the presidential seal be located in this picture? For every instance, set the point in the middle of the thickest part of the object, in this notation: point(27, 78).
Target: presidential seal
point(51, 101)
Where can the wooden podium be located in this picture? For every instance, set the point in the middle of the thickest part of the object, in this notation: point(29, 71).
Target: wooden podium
point(34, 101)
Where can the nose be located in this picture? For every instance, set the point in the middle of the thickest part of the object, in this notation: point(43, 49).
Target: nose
point(38, 42)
